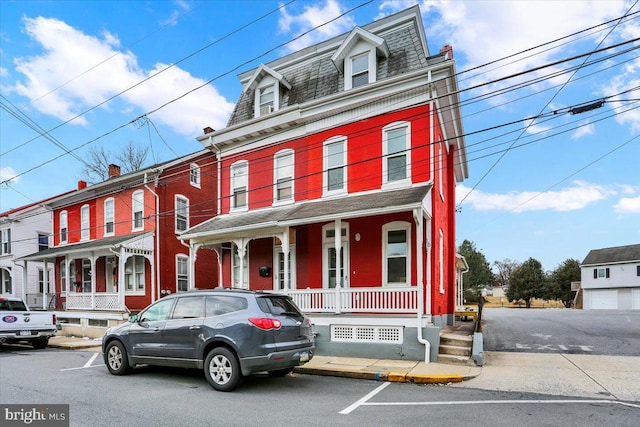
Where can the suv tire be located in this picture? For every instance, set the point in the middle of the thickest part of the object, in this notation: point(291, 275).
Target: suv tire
point(222, 369)
point(117, 362)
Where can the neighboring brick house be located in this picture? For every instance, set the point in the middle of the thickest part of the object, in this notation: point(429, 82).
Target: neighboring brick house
point(337, 186)
point(610, 278)
point(25, 230)
point(115, 245)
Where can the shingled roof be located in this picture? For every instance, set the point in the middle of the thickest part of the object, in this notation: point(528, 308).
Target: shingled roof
point(630, 253)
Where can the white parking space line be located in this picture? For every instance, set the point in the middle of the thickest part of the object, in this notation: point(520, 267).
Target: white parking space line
point(86, 365)
point(500, 402)
point(362, 401)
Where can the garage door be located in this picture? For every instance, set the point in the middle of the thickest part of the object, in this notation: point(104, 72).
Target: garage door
point(604, 300)
point(635, 297)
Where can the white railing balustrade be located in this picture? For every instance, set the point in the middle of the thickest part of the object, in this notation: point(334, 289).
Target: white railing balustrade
point(97, 301)
point(356, 300)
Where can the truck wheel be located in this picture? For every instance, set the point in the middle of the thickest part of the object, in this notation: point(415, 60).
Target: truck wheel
point(117, 362)
point(222, 369)
point(40, 343)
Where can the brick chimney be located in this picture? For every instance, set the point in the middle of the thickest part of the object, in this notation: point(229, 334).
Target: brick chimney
point(82, 185)
point(449, 50)
point(208, 130)
point(114, 171)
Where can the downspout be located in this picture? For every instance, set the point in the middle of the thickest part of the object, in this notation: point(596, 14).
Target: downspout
point(417, 217)
point(156, 236)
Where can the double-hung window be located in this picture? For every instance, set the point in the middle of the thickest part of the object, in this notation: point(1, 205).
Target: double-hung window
point(84, 222)
point(182, 213)
point(63, 227)
point(239, 183)
point(240, 268)
point(182, 273)
point(335, 161)
point(43, 242)
point(283, 176)
point(134, 274)
point(109, 217)
point(266, 99)
point(360, 70)
point(396, 247)
point(5, 240)
point(194, 175)
point(396, 153)
point(138, 210)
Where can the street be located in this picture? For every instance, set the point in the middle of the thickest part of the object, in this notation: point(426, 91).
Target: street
point(594, 332)
point(163, 396)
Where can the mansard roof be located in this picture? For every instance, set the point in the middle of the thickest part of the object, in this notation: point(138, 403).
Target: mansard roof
point(316, 71)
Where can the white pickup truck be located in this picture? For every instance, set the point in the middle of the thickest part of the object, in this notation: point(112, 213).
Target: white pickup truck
point(18, 324)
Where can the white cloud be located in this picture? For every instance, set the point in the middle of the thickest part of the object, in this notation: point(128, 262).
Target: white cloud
point(100, 70)
point(628, 205)
point(534, 129)
point(312, 17)
point(584, 130)
point(6, 173)
point(576, 197)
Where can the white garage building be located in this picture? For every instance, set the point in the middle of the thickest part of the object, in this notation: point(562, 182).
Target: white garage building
point(611, 278)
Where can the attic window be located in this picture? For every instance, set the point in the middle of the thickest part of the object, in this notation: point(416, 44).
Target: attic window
point(266, 99)
point(360, 70)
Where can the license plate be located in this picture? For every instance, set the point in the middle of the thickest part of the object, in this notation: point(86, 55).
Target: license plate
point(304, 356)
point(25, 333)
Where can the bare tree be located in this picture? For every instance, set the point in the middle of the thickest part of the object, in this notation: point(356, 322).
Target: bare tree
point(505, 268)
point(130, 158)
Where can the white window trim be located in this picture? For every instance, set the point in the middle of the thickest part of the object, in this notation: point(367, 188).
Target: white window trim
point(182, 258)
point(440, 169)
point(64, 222)
point(136, 291)
point(386, 228)
point(85, 223)
point(113, 218)
point(5, 241)
point(441, 255)
point(385, 151)
point(325, 173)
point(243, 285)
point(279, 155)
point(175, 216)
point(194, 167)
point(267, 82)
point(370, 51)
point(133, 211)
point(233, 208)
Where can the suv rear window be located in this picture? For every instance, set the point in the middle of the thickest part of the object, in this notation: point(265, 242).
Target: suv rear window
point(278, 305)
point(217, 305)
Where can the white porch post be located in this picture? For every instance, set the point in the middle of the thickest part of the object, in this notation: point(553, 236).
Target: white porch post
point(285, 252)
point(338, 247)
point(45, 284)
point(218, 251)
point(241, 250)
point(193, 257)
point(67, 277)
point(419, 220)
point(92, 259)
point(122, 261)
point(24, 282)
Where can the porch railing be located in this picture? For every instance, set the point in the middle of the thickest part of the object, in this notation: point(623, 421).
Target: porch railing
point(97, 301)
point(356, 300)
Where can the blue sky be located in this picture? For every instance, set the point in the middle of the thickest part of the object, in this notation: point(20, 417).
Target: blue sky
point(565, 184)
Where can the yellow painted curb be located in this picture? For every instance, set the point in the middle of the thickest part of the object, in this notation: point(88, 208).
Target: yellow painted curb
point(397, 377)
point(434, 379)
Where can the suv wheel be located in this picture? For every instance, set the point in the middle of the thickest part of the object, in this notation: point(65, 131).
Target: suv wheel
point(117, 362)
point(222, 369)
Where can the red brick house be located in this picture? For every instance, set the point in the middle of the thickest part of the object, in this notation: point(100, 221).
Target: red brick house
point(115, 245)
point(336, 185)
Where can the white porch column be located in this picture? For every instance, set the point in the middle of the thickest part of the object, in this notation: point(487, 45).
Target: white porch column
point(122, 261)
point(92, 260)
point(193, 257)
point(45, 284)
point(419, 220)
point(338, 246)
point(285, 252)
point(241, 250)
point(24, 282)
point(218, 251)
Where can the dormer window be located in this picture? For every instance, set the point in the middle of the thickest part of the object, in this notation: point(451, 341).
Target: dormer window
point(267, 85)
point(359, 70)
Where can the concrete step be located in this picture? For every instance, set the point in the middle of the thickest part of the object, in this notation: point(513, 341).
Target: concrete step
point(451, 359)
point(455, 350)
point(457, 340)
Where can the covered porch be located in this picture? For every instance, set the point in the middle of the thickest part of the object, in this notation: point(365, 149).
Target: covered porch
point(97, 275)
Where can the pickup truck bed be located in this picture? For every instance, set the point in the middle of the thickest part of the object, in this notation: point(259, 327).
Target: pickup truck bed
point(18, 324)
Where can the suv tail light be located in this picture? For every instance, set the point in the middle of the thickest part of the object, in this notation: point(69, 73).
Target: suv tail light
point(265, 323)
point(55, 320)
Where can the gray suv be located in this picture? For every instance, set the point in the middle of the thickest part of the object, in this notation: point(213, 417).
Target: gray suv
point(229, 333)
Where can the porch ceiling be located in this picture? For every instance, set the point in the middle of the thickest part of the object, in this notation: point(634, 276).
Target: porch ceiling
point(90, 246)
point(380, 202)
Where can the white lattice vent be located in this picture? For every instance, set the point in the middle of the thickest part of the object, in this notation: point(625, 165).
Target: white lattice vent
point(377, 334)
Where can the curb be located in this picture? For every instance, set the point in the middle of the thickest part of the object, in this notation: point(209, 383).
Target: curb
point(386, 376)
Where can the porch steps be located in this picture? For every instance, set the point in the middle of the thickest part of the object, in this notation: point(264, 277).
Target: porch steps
point(455, 349)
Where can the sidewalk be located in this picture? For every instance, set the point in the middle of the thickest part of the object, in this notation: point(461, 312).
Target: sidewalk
point(351, 367)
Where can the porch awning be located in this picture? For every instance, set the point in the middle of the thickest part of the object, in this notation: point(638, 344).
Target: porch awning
point(361, 205)
point(133, 240)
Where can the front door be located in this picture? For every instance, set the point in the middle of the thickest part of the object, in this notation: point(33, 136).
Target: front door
point(278, 262)
point(331, 274)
